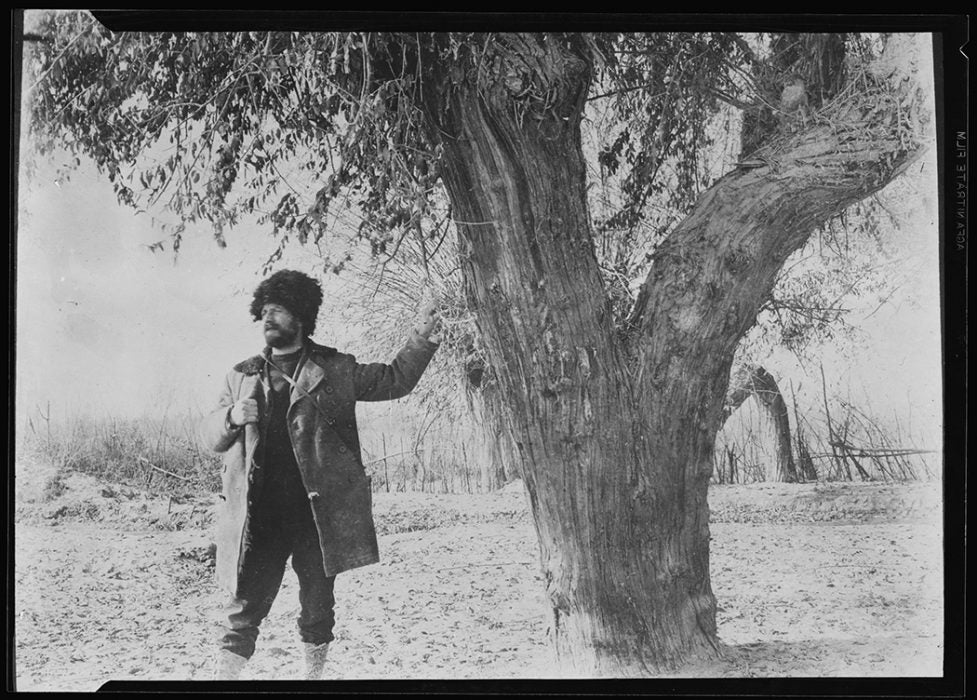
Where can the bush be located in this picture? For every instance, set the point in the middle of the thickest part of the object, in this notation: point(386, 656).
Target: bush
point(160, 456)
point(54, 487)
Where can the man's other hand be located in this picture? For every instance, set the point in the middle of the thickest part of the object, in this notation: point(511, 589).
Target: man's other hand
point(244, 411)
point(428, 322)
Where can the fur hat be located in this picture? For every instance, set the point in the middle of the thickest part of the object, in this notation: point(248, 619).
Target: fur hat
point(294, 290)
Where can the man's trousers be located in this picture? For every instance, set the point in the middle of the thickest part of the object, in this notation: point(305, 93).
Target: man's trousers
point(275, 536)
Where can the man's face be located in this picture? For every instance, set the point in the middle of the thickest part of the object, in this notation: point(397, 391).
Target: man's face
point(280, 325)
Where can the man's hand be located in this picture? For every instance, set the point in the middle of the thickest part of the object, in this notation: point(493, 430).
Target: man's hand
point(244, 411)
point(428, 321)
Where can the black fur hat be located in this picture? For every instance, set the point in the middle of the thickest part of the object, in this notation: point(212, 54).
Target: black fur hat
point(294, 290)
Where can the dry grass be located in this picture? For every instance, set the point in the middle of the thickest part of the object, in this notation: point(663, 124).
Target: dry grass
point(160, 456)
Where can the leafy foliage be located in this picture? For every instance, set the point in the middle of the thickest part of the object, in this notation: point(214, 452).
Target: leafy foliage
point(675, 112)
point(654, 119)
point(214, 126)
point(283, 124)
point(669, 86)
point(311, 131)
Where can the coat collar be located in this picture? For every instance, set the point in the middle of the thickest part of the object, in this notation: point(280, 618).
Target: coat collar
point(312, 371)
point(250, 366)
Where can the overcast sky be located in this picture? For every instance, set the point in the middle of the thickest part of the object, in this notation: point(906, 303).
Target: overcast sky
point(106, 327)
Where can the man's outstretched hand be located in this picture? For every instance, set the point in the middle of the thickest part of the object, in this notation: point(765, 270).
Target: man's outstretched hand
point(429, 321)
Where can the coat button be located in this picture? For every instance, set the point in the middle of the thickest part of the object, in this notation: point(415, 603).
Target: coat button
point(328, 389)
point(342, 448)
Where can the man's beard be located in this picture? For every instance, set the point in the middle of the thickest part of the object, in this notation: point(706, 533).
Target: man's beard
point(279, 337)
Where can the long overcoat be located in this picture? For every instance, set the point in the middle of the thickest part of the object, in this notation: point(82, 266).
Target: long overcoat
point(321, 422)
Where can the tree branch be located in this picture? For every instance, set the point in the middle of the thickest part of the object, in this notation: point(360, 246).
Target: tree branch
point(711, 275)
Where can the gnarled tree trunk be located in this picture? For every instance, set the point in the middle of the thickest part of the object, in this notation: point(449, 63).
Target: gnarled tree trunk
point(616, 436)
point(754, 381)
point(625, 599)
point(615, 427)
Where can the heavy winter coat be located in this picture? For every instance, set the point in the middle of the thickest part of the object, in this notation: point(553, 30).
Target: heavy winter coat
point(321, 422)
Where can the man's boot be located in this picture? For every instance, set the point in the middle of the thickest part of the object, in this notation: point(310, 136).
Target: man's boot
point(315, 660)
point(228, 666)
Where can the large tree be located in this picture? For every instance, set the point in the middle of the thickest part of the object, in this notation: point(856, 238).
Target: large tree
point(614, 416)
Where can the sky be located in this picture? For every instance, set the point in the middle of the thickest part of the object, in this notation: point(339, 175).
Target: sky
point(106, 327)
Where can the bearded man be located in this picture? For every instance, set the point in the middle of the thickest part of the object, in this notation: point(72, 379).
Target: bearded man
point(293, 482)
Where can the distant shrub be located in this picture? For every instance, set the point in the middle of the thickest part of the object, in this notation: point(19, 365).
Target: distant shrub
point(159, 456)
point(54, 487)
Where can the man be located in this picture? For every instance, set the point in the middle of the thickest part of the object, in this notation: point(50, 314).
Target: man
point(293, 478)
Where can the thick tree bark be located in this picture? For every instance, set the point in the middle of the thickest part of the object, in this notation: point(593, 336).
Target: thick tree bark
point(479, 395)
point(484, 406)
point(501, 447)
point(625, 564)
point(616, 436)
point(754, 381)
